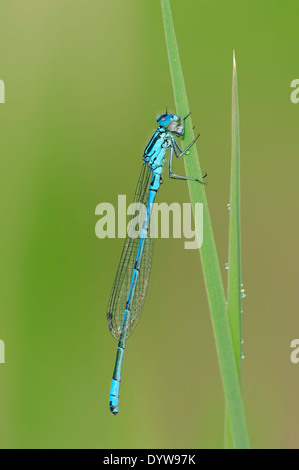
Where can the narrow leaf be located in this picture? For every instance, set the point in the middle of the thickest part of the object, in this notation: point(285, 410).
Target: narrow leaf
point(234, 271)
point(209, 257)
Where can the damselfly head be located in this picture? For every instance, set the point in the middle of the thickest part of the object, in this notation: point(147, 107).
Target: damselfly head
point(173, 123)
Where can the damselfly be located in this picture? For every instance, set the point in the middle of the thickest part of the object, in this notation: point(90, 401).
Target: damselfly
point(130, 285)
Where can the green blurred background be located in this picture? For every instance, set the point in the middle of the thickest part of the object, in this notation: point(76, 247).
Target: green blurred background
point(85, 82)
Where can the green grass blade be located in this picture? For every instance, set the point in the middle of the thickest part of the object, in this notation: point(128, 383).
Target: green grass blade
point(234, 272)
point(209, 257)
point(234, 249)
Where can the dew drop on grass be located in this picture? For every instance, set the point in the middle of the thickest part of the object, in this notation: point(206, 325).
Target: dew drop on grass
point(242, 341)
point(243, 293)
point(228, 206)
point(226, 266)
point(242, 356)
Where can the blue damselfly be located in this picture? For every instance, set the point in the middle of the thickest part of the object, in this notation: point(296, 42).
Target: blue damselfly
point(130, 285)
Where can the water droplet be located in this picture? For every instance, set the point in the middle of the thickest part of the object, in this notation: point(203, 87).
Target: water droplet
point(187, 152)
point(226, 266)
point(242, 356)
point(242, 284)
point(228, 206)
point(243, 293)
point(242, 341)
point(242, 311)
